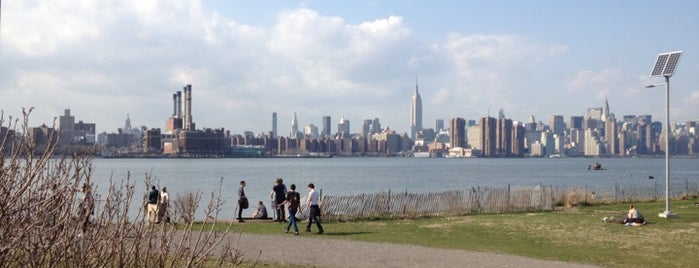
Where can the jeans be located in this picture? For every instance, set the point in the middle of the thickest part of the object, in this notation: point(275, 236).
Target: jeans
point(314, 216)
point(292, 220)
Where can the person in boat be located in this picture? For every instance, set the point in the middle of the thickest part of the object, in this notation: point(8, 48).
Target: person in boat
point(598, 166)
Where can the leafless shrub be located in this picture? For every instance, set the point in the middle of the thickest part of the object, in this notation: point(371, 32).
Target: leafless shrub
point(185, 205)
point(44, 223)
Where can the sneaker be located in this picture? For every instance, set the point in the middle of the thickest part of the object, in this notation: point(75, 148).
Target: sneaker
point(320, 232)
point(241, 221)
point(286, 231)
point(296, 233)
point(308, 230)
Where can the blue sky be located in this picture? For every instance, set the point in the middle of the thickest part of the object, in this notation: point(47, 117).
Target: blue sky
point(358, 59)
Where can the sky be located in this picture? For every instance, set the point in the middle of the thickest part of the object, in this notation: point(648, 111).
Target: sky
point(105, 60)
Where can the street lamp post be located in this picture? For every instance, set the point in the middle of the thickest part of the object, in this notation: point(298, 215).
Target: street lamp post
point(665, 66)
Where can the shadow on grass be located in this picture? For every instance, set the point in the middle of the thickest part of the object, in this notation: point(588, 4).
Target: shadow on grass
point(346, 233)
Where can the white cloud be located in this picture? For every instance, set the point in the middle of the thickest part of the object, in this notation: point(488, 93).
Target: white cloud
point(130, 56)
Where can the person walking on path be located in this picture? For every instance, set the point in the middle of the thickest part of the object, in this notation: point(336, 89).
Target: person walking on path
point(163, 215)
point(278, 196)
point(313, 198)
point(293, 201)
point(153, 199)
point(242, 201)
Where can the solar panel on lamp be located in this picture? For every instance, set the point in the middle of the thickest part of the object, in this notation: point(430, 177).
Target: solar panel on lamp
point(671, 64)
point(659, 65)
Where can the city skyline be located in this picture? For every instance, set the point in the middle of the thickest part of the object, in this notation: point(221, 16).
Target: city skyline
point(359, 60)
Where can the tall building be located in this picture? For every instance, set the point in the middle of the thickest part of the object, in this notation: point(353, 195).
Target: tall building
point(274, 125)
point(343, 128)
point(375, 126)
point(66, 123)
point(438, 125)
point(327, 127)
point(415, 113)
point(576, 122)
point(294, 128)
point(366, 128)
point(557, 125)
point(518, 134)
point(457, 137)
point(611, 136)
point(489, 136)
point(503, 134)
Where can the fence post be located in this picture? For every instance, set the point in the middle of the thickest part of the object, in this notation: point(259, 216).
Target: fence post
point(388, 202)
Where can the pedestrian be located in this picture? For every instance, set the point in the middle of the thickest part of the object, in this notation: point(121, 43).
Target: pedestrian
point(87, 206)
point(163, 215)
point(152, 207)
point(242, 201)
point(312, 203)
point(278, 195)
point(293, 201)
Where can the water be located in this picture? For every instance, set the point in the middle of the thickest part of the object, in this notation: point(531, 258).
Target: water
point(348, 176)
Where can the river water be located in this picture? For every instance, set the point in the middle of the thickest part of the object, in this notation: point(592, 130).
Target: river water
point(349, 176)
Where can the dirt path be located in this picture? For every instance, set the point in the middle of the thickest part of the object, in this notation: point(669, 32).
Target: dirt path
point(309, 249)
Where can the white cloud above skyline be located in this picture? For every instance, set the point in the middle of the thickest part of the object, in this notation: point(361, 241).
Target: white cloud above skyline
point(105, 60)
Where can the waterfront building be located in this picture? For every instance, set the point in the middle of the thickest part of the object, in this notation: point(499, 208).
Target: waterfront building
point(66, 124)
point(152, 141)
point(457, 138)
point(415, 112)
point(518, 135)
point(503, 137)
point(489, 139)
point(474, 137)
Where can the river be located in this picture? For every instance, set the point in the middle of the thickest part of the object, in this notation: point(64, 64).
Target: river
point(348, 176)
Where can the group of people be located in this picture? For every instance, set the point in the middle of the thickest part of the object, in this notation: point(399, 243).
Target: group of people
point(283, 200)
point(157, 205)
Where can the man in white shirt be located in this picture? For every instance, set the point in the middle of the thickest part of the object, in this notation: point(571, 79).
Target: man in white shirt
point(163, 214)
point(312, 202)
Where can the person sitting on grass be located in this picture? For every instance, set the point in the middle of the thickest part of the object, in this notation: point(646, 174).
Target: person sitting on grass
point(634, 216)
point(261, 212)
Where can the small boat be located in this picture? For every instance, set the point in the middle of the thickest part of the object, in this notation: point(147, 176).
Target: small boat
point(596, 166)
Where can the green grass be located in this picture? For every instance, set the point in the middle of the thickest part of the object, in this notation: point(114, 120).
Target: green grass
point(570, 235)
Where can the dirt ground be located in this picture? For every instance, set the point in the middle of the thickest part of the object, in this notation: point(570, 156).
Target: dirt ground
point(308, 250)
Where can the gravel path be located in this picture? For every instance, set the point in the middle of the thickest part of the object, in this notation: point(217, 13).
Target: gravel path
point(309, 249)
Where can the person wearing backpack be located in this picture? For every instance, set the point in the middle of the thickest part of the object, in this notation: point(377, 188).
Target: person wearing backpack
point(153, 200)
point(293, 199)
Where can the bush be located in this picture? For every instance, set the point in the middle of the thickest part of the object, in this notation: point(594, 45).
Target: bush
point(45, 223)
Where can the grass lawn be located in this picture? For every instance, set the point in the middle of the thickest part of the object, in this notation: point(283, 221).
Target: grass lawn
point(571, 235)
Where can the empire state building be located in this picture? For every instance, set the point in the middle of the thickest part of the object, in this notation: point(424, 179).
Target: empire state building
point(415, 113)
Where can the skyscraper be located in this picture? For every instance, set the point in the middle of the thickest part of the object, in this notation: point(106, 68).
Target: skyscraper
point(327, 127)
point(438, 125)
point(457, 131)
point(415, 113)
point(343, 128)
point(274, 125)
point(557, 124)
point(294, 128)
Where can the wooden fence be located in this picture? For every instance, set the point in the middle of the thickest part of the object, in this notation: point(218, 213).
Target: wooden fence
point(488, 200)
